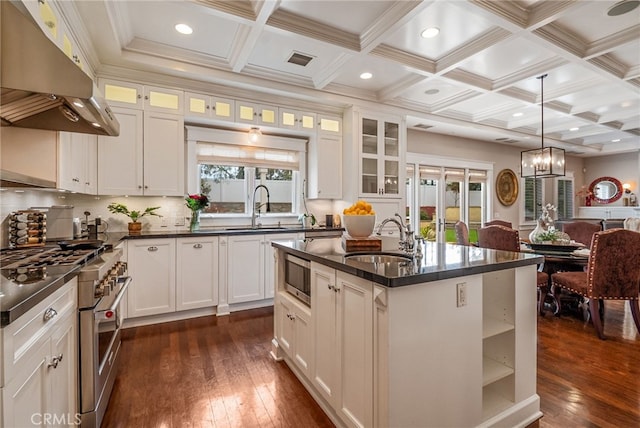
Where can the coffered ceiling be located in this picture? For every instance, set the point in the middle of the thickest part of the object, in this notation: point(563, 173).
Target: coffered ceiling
point(476, 78)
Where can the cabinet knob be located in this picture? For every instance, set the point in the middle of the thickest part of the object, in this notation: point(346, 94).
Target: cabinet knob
point(55, 361)
point(197, 246)
point(152, 249)
point(146, 187)
point(330, 287)
point(146, 97)
point(139, 96)
point(139, 186)
point(49, 314)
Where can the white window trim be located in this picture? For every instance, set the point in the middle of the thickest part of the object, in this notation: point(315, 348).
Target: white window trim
point(568, 176)
point(523, 220)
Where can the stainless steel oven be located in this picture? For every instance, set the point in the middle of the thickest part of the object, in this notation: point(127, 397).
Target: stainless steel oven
point(102, 285)
point(297, 277)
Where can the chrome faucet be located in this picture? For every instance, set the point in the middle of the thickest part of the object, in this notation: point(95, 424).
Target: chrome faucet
point(406, 242)
point(253, 206)
point(401, 244)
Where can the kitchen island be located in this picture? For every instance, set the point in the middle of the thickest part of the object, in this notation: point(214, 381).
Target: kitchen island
point(445, 340)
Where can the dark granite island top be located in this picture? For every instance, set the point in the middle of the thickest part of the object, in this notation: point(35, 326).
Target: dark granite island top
point(439, 261)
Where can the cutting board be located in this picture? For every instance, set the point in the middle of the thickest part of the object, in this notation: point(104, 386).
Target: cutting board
point(361, 244)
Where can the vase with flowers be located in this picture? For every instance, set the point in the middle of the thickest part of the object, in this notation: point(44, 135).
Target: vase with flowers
point(196, 203)
point(544, 224)
point(585, 193)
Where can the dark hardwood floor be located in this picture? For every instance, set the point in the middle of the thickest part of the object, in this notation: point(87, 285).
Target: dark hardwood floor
point(217, 372)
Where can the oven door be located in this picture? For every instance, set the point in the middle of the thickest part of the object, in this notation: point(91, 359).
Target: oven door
point(99, 347)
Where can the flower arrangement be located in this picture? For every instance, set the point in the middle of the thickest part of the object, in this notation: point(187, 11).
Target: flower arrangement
point(584, 192)
point(134, 215)
point(547, 214)
point(550, 235)
point(197, 202)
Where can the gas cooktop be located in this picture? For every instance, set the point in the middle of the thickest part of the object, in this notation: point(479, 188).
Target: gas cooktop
point(42, 257)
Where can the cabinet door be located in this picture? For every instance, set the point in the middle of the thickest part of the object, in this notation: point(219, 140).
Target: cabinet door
point(270, 262)
point(197, 105)
point(46, 18)
point(163, 154)
point(331, 125)
point(325, 167)
point(91, 162)
point(285, 327)
point(355, 348)
point(122, 94)
point(71, 161)
point(27, 393)
point(197, 273)
point(245, 268)
point(303, 349)
point(380, 154)
point(323, 301)
point(120, 158)
point(223, 109)
point(163, 100)
point(63, 374)
point(256, 114)
point(298, 120)
point(152, 268)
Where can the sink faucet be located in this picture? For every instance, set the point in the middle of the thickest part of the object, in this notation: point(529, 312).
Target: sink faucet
point(400, 228)
point(406, 242)
point(253, 206)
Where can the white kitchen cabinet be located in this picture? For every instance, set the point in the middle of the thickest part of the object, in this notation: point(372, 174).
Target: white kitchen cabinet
point(294, 331)
point(196, 272)
point(257, 114)
point(380, 156)
point(329, 125)
point(607, 212)
point(342, 313)
point(146, 97)
point(297, 120)
point(40, 362)
point(46, 16)
point(78, 162)
point(324, 162)
point(147, 158)
point(210, 107)
point(152, 266)
point(250, 266)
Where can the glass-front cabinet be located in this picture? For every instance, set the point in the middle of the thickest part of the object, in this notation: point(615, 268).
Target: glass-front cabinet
point(380, 157)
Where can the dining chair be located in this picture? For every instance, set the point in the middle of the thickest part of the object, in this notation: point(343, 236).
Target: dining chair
point(632, 223)
point(462, 233)
point(613, 273)
point(504, 238)
point(581, 231)
point(499, 223)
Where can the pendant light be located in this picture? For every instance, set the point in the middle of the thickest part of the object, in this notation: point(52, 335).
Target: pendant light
point(546, 161)
point(254, 135)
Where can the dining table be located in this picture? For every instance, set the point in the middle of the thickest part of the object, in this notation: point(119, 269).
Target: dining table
point(561, 258)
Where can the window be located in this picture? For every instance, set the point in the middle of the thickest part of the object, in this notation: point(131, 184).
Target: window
point(225, 167)
point(564, 197)
point(533, 197)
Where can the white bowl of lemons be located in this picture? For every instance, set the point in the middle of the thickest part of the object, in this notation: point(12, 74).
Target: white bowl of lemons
point(359, 220)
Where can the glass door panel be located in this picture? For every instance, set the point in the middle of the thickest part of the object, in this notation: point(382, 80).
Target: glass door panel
point(454, 182)
point(429, 179)
point(391, 177)
point(391, 139)
point(369, 175)
point(477, 195)
point(370, 136)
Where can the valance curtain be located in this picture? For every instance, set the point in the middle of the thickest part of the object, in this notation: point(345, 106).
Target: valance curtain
point(236, 155)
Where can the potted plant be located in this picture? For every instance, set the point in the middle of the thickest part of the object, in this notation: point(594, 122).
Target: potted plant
point(134, 226)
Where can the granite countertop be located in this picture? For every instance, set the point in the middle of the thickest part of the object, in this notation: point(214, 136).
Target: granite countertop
point(440, 261)
point(217, 231)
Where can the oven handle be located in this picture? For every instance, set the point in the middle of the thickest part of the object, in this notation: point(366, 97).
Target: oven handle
point(110, 313)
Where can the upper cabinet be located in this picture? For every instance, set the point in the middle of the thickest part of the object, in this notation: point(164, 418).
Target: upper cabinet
point(147, 158)
point(298, 120)
point(324, 160)
point(258, 114)
point(148, 98)
point(199, 105)
point(379, 156)
point(78, 162)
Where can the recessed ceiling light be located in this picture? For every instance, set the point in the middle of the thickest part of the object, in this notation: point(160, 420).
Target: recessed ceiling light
point(573, 129)
point(430, 32)
point(623, 7)
point(617, 140)
point(184, 29)
point(366, 75)
point(518, 114)
point(432, 91)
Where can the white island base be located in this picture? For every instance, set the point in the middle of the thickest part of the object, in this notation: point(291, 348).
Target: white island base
point(457, 352)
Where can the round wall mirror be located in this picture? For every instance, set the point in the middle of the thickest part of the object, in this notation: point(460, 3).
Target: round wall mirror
point(606, 189)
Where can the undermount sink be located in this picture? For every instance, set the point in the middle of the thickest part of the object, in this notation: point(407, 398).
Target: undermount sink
point(256, 228)
point(379, 258)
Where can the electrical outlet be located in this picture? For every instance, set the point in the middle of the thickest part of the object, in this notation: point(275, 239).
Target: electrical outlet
point(164, 221)
point(461, 291)
point(179, 221)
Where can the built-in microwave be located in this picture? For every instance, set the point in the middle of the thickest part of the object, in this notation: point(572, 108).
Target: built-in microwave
point(297, 277)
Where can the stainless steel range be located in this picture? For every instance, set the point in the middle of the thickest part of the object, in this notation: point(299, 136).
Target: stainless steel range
point(102, 283)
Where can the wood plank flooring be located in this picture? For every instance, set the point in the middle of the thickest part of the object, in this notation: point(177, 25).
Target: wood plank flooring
point(217, 372)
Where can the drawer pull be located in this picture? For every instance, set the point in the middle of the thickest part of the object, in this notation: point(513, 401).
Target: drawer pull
point(197, 246)
point(49, 313)
point(55, 361)
point(152, 249)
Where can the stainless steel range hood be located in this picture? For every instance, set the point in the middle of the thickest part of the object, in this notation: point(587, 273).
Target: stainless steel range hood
point(41, 87)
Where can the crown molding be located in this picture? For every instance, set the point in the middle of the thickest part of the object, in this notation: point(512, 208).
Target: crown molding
point(239, 8)
point(545, 12)
point(471, 79)
point(530, 72)
point(389, 21)
point(412, 61)
point(610, 65)
point(607, 44)
point(392, 91)
point(478, 44)
point(562, 38)
point(508, 10)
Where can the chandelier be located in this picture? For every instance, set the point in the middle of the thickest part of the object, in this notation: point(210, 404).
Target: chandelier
point(546, 161)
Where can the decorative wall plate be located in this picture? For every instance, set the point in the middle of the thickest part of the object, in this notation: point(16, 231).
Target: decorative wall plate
point(507, 187)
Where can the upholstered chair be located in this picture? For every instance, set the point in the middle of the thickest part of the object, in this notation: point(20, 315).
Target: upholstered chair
point(499, 223)
point(581, 231)
point(613, 273)
point(504, 238)
point(632, 223)
point(462, 233)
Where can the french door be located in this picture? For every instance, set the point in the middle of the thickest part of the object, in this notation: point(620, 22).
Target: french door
point(438, 196)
